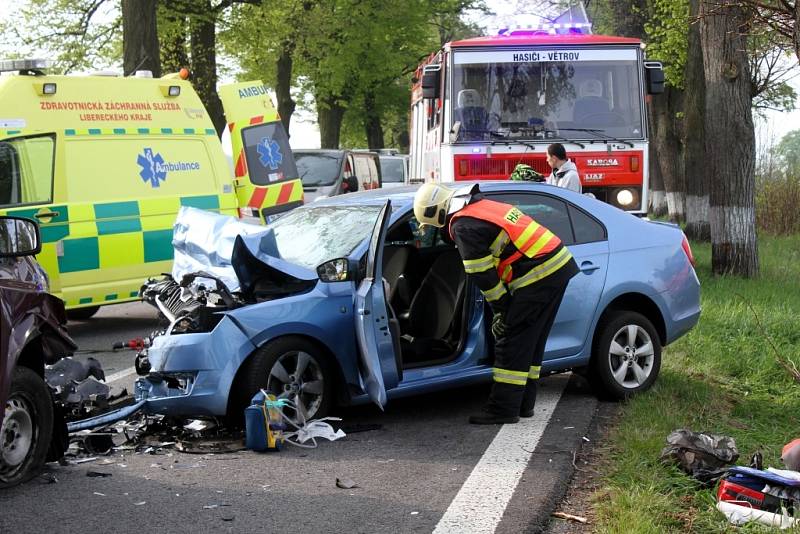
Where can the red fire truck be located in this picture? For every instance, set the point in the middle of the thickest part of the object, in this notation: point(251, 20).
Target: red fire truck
point(481, 106)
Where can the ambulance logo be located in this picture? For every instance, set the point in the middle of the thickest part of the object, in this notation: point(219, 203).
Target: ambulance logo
point(269, 153)
point(152, 167)
point(155, 169)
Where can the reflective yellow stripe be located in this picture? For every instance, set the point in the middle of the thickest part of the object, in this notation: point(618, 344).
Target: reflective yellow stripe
point(506, 376)
point(539, 245)
point(545, 269)
point(499, 243)
point(496, 293)
point(479, 265)
point(534, 372)
point(526, 234)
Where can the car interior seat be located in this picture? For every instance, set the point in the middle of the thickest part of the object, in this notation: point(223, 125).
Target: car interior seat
point(398, 255)
point(470, 111)
point(590, 100)
point(433, 325)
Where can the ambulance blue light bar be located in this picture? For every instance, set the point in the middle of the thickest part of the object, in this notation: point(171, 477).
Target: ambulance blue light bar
point(13, 65)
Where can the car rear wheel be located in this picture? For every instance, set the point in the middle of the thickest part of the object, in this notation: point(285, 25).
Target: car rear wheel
point(290, 368)
point(27, 427)
point(627, 355)
point(82, 314)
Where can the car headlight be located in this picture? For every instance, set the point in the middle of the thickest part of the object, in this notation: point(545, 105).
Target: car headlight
point(625, 197)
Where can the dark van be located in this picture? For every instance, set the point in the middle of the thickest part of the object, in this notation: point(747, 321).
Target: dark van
point(32, 334)
point(326, 173)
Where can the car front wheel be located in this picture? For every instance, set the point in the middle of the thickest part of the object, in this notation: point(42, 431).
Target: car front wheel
point(627, 355)
point(27, 427)
point(293, 369)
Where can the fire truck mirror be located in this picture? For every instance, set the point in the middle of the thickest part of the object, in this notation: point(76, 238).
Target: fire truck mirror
point(431, 81)
point(654, 73)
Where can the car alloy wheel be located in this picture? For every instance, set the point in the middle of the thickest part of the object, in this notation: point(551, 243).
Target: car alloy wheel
point(631, 356)
point(626, 356)
point(298, 377)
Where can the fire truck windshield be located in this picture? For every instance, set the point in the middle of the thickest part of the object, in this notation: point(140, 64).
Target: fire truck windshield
point(531, 95)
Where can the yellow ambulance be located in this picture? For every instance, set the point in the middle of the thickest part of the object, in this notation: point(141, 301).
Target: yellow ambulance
point(103, 163)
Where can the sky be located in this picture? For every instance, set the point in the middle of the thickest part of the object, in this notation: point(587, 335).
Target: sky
point(305, 134)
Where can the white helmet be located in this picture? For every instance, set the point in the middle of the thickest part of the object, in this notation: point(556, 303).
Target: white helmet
point(431, 204)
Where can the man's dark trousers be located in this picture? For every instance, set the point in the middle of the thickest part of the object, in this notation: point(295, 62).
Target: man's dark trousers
point(528, 320)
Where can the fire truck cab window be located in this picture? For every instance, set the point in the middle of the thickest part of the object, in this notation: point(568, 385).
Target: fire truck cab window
point(538, 99)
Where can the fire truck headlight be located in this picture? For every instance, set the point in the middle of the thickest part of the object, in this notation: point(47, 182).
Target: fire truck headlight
point(625, 197)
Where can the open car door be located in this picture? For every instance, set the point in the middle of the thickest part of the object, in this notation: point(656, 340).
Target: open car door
point(377, 352)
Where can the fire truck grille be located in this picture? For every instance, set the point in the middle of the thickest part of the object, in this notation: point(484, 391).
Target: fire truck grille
point(496, 167)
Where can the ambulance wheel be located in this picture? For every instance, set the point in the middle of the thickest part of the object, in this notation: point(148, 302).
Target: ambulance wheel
point(82, 314)
point(290, 368)
point(25, 429)
point(627, 355)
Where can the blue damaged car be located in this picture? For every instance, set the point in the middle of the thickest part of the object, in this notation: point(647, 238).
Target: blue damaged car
point(345, 300)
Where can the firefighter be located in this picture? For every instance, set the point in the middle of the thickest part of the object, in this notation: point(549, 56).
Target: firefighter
point(522, 269)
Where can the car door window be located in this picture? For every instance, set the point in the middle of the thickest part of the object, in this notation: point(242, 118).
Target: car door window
point(587, 229)
point(26, 170)
point(546, 210)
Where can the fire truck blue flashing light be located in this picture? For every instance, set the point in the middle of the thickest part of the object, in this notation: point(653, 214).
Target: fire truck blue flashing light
point(558, 28)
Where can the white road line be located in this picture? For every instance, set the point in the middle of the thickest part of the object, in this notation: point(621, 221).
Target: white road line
point(125, 373)
point(480, 503)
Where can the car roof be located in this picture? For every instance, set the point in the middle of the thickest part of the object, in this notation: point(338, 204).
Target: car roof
point(404, 196)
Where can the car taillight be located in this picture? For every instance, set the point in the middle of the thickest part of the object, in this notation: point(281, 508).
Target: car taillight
point(634, 163)
point(688, 250)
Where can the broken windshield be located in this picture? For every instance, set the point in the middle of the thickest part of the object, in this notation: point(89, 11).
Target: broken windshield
point(310, 236)
point(525, 94)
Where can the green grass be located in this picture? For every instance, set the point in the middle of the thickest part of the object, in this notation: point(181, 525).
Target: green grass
point(722, 377)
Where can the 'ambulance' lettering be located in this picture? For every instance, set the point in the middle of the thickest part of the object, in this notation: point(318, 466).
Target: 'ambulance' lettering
point(257, 90)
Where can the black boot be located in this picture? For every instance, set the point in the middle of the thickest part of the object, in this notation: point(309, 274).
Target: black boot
point(489, 418)
point(528, 400)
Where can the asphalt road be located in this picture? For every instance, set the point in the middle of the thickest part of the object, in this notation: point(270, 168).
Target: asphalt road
point(421, 469)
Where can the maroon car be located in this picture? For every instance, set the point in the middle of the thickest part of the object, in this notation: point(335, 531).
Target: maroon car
point(32, 335)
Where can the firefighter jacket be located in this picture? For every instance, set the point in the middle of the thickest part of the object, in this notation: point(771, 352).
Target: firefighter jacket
point(504, 250)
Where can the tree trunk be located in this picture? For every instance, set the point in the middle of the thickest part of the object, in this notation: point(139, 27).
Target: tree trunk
point(657, 204)
point(796, 33)
point(697, 224)
point(730, 152)
point(140, 37)
point(204, 64)
point(668, 145)
point(283, 84)
point(330, 114)
point(372, 122)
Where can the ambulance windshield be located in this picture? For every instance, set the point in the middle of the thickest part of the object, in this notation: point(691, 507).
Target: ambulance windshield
point(531, 94)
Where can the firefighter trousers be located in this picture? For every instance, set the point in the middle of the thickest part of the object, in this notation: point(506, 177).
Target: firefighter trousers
point(518, 353)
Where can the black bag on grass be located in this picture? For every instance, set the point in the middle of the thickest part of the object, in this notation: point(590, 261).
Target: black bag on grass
point(701, 455)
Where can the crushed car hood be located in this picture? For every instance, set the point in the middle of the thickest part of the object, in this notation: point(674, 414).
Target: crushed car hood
point(229, 249)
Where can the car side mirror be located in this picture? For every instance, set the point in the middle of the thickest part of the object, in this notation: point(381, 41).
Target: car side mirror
point(337, 270)
point(19, 237)
point(350, 184)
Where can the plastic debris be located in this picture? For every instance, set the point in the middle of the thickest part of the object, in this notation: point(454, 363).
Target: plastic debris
point(345, 483)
